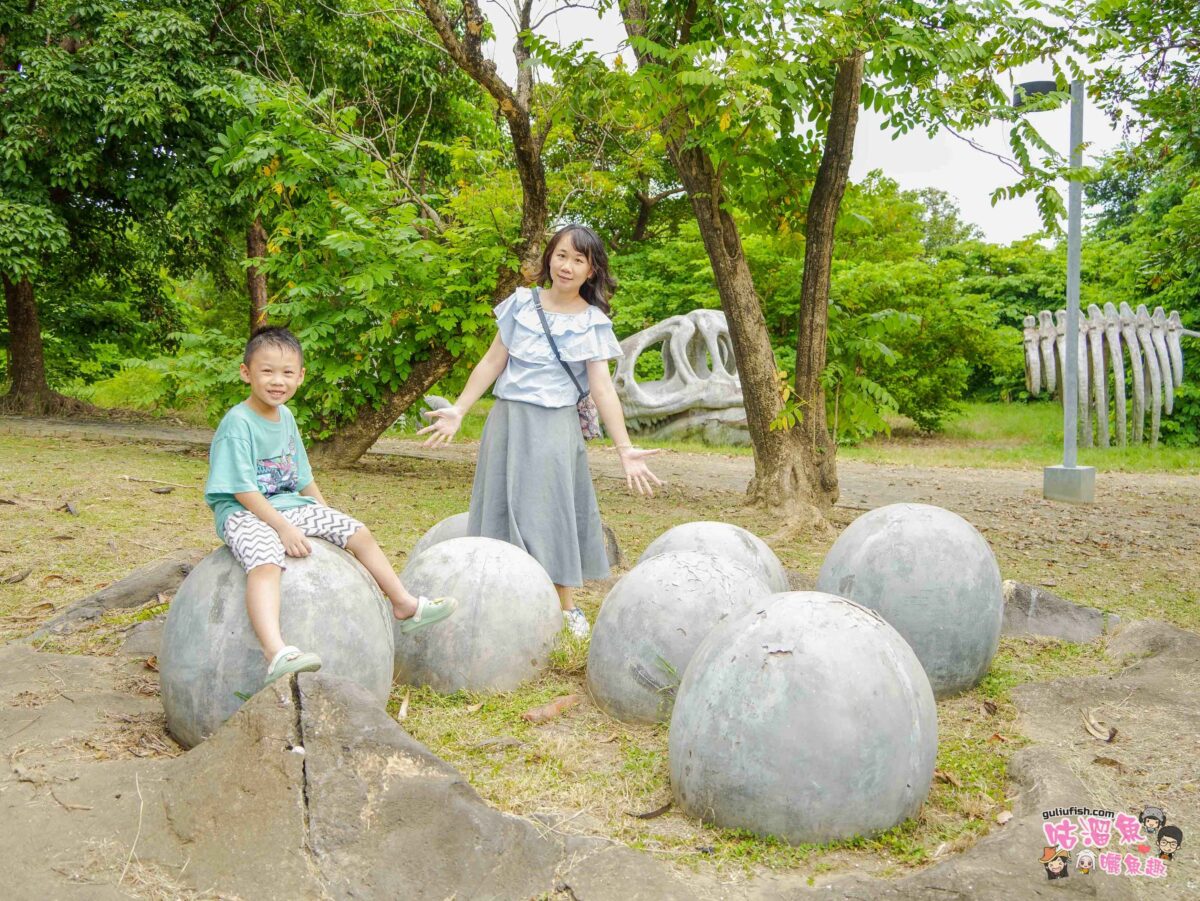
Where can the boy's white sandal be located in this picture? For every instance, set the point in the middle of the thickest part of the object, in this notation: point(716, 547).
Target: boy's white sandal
point(290, 660)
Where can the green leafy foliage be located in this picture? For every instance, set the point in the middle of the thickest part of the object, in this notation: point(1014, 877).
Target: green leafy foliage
point(908, 334)
point(364, 282)
point(132, 159)
point(754, 81)
point(858, 355)
point(102, 135)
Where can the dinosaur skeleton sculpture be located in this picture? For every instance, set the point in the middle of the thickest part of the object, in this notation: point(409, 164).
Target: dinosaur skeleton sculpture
point(1155, 362)
point(699, 392)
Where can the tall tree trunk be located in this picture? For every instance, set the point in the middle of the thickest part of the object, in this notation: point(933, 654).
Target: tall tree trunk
point(30, 392)
point(27, 363)
point(786, 471)
point(256, 281)
point(813, 321)
point(352, 441)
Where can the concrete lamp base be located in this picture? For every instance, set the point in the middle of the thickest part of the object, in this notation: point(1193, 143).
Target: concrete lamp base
point(1073, 484)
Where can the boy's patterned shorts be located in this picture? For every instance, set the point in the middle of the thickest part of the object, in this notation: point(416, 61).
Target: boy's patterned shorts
point(254, 543)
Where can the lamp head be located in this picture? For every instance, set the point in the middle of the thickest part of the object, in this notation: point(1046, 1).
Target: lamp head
point(1023, 93)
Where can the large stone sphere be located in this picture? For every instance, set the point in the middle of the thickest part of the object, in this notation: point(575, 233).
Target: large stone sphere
point(210, 660)
point(930, 574)
point(652, 622)
point(808, 718)
point(507, 622)
point(724, 540)
point(456, 527)
point(451, 527)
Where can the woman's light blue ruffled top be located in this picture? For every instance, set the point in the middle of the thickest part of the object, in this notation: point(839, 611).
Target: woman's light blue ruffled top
point(533, 375)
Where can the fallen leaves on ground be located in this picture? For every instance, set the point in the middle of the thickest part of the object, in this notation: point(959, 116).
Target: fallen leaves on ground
point(943, 776)
point(651, 814)
point(549, 711)
point(1098, 729)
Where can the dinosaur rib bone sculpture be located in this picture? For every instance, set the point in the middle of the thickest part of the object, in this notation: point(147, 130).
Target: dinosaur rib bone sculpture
point(699, 392)
point(1152, 342)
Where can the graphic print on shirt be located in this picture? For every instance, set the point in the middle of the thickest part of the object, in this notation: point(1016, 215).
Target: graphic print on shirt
point(278, 474)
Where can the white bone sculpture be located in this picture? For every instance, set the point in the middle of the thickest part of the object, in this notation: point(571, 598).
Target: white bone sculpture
point(699, 393)
point(1155, 362)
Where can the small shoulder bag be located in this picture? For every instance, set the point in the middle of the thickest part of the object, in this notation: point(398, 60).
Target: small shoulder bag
point(589, 416)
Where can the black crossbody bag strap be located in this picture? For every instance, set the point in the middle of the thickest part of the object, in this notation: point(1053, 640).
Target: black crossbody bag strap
point(537, 305)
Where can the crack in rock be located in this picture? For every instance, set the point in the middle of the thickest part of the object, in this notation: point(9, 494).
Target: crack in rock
point(298, 721)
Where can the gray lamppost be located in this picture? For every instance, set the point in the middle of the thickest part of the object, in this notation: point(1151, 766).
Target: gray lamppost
point(1069, 482)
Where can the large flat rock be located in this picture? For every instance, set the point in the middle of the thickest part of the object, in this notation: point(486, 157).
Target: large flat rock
point(1030, 610)
point(310, 791)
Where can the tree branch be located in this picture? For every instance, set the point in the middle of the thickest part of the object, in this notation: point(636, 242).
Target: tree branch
point(1011, 163)
point(222, 11)
point(521, 52)
point(562, 8)
point(468, 51)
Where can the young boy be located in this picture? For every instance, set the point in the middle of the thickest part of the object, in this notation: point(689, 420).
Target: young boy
point(261, 490)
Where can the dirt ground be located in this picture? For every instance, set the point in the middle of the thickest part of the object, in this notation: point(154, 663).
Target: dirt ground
point(1132, 553)
point(1086, 553)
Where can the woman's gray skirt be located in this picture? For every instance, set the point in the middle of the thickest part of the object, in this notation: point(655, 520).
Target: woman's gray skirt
point(533, 489)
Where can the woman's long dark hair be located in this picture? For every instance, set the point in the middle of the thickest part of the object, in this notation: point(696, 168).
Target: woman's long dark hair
point(600, 287)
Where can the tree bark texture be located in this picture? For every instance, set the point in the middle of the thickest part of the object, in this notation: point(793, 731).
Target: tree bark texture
point(779, 462)
point(30, 392)
point(256, 281)
point(350, 442)
point(813, 321)
point(785, 471)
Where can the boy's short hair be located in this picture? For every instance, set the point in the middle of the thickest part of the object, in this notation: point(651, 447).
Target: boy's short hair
point(272, 336)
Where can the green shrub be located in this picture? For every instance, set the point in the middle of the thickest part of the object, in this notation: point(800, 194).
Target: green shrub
point(138, 386)
point(1182, 427)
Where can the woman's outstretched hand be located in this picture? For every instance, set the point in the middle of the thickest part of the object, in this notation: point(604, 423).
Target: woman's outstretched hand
point(637, 473)
point(445, 424)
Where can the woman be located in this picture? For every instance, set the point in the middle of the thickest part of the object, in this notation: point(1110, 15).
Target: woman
point(532, 485)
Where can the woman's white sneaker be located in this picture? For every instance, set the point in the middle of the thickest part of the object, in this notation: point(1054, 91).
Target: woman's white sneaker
point(576, 622)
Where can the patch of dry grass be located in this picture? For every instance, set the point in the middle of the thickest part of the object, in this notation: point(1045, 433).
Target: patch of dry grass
point(582, 772)
point(586, 773)
point(142, 685)
point(106, 865)
point(124, 736)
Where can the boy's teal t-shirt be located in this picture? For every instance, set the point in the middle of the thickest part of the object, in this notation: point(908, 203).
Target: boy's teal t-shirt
point(250, 453)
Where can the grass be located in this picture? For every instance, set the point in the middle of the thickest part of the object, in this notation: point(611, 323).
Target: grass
point(582, 772)
point(994, 435)
point(1012, 436)
point(604, 771)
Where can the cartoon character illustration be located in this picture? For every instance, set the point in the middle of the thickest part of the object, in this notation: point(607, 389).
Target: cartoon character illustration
point(276, 474)
point(1055, 860)
point(1170, 840)
point(1085, 862)
point(1152, 819)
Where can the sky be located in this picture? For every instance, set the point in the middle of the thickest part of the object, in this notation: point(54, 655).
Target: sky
point(914, 160)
